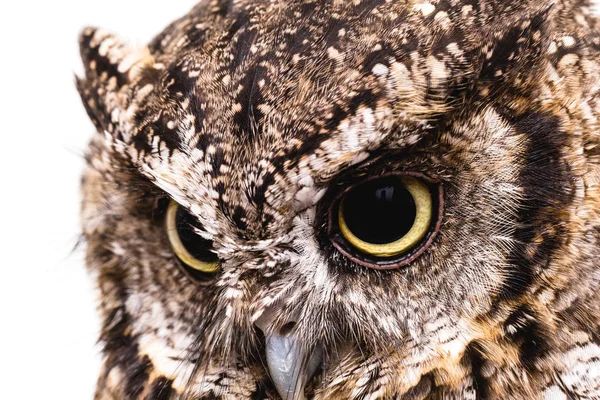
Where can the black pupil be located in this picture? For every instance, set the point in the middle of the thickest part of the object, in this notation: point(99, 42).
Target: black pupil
point(380, 211)
point(195, 244)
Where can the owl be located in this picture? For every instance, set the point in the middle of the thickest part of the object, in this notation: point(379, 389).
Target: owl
point(329, 199)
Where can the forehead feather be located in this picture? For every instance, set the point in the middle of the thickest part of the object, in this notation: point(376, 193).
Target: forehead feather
point(237, 106)
point(260, 85)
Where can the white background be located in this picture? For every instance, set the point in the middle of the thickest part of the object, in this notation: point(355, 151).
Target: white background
point(48, 325)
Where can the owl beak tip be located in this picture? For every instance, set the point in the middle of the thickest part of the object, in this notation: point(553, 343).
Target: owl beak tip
point(291, 366)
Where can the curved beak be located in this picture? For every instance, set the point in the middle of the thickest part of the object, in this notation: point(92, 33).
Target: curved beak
point(290, 365)
point(291, 362)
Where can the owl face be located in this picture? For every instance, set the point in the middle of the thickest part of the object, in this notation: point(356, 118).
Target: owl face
point(321, 200)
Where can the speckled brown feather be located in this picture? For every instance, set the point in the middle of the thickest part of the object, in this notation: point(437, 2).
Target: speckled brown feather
point(253, 114)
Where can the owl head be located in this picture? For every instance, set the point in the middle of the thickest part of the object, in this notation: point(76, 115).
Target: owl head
point(332, 200)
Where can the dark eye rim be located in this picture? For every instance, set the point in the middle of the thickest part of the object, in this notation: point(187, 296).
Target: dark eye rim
point(383, 264)
point(193, 275)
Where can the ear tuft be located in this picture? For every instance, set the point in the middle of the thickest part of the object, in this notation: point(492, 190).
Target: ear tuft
point(105, 57)
point(102, 54)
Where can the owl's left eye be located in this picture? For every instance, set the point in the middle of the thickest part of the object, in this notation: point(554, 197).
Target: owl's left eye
point(192, 249)
point(386, 222)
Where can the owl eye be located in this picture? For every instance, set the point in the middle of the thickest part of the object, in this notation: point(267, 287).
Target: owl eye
point(386, 222)
point(192, 249)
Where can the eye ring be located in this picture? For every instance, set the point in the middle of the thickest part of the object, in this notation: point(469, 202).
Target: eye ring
point(423, 214)
point(398, 253)
point(179, 248)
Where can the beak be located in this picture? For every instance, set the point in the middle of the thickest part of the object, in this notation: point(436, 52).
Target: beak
point(290, 363)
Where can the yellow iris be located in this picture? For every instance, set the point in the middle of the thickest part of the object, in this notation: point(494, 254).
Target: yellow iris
point(423, 215)
point(182, 253)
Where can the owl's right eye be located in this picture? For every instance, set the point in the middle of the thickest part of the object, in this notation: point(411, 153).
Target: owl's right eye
point(193, 250)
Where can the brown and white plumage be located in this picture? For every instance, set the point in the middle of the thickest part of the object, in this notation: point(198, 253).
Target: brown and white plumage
point(254, 115)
